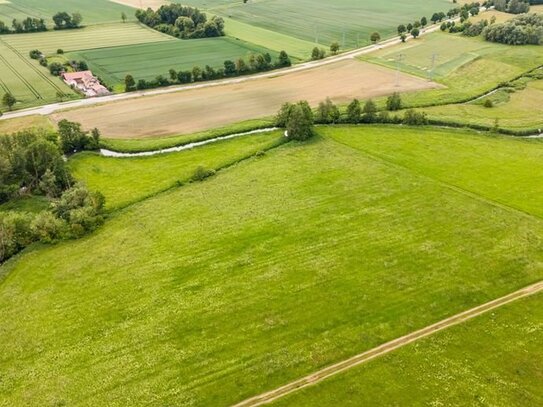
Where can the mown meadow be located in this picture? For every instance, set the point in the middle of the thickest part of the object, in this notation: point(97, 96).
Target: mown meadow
point(493, 360)
point(279, 265)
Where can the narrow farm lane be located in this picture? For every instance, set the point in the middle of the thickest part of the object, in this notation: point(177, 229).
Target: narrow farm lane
point(388, 347)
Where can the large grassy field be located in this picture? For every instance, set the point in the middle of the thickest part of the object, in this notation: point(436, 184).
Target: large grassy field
point(495, 360)
point(127, 180)
point(219, 290)
point(348, 21)
point(146, 61)
point(93, 12)
point(466, 66)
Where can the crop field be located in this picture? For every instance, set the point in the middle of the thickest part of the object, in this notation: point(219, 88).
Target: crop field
point(26, 80)
point(348, 21)
point(93, 12)
point(493, 360)
point(128, 180)
point(146, 61)
point(183, 112)
point(457, 61)
point(96, 36)
point(522, 109)
point(219, 290)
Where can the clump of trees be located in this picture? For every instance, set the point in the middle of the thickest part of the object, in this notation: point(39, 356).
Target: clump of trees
point(512, 6)
point(255, 63)
point(65, 21)
point(181, 21)
point(522, 30)
point(31, 163)
point(28, 25)
point(298, 120)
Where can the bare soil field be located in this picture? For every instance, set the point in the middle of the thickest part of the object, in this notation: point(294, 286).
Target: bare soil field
point(201, 109)
point(142, 3)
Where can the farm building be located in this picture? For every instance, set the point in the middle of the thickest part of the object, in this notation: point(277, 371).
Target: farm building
point(86, 82)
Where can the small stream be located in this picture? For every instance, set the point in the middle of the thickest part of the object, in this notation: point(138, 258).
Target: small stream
point(116, 154)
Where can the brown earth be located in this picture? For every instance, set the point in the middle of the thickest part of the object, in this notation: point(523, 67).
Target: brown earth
point(195, 110)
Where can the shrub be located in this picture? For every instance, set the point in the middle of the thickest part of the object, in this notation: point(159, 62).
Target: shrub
point(201, 173)
point(488, 103)
point(414, 118)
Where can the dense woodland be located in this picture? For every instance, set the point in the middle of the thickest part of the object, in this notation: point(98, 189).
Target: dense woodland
point(181, 22)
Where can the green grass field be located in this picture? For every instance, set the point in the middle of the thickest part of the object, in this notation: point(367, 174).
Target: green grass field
point(277, 266)
point(93, 12)
point(466, 66)
point(522, 109)
point(494, 360)
point(146, 61)
point(127, 180)
point(323, 22)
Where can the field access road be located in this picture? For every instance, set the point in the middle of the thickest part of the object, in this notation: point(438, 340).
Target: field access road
point(55, 107)
point(388, 347)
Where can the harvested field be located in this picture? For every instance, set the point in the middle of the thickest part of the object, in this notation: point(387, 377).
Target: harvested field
point(142, 3)
point(200, 109)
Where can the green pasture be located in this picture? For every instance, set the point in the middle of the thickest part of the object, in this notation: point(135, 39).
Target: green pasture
point(494, 360)
point(522, 109)
point(91, 37)
point(27, 80)
point(146, 61)
point(93, 12)
point(273, 40)
point(277, 266)
point(468, 67)
point(127, 180)
point(349, 22)
point(501, 169)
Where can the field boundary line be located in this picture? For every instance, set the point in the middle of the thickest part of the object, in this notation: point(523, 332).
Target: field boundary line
point(456, 188)
point(340, 367)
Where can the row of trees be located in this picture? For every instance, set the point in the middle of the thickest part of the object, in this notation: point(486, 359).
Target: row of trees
point(522, 30)
point(62, 21)
point(255, 63)
point(298, 118)
point(28, 25)
point(31, 163)
point(181, 21)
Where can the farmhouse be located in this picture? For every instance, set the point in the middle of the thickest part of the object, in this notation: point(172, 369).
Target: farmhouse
point(86, 82)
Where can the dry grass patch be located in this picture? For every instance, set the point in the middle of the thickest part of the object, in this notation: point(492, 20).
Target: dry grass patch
point(200, 109)
point(22, 123)
point(141, 3)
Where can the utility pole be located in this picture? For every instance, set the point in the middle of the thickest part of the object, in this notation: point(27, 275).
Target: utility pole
point(398, 62)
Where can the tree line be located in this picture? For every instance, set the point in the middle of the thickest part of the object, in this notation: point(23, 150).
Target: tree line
point(255, 63)
point(62, 20)
point(181, 21)
point(32, 164)
point(298, 118)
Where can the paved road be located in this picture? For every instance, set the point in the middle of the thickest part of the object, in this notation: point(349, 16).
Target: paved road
point(55, 107)
point(388, 347)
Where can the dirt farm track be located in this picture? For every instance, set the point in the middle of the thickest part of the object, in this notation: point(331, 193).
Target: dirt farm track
point(200, 109)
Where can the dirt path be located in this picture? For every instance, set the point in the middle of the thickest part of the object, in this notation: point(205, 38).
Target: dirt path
point(388, 347)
